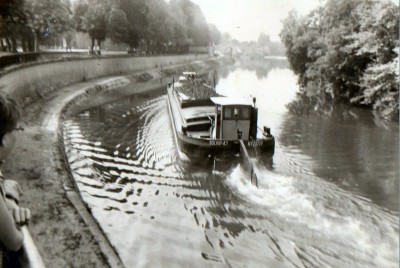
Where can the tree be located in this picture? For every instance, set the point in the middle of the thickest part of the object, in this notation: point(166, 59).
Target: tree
point(92, 17)
point(97, 21)
point(346, 50)
point(13, 25)
point(264, 40)
point(378, 42)
point(226, 38)
point(118, 24)
point(296, 43)
point(215, 34)
point(136, 16)
point(179, 29)
point(47, 18)
point(160, 24)
point(194, 21)
point(266, 46)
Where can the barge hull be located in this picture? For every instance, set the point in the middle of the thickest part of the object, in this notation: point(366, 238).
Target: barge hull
point(195, 149)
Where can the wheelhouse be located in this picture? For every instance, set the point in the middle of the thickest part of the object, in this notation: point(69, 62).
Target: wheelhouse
point(234, 119)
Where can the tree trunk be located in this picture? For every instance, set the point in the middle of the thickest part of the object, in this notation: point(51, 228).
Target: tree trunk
point(23, 44)
point(3, 46)
point(147, 47)
point(93, 43)
point(98, 47)
point(31, 43)
point(8, 43)
point(14, 44)
point(36, 41)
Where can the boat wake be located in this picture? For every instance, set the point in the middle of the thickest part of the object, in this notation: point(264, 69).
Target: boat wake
point(148, 203)
point(325, 225)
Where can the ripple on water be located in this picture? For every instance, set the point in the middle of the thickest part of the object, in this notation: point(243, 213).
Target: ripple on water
point(157, 211)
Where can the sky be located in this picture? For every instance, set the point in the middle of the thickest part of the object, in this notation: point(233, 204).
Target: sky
point(246, 19)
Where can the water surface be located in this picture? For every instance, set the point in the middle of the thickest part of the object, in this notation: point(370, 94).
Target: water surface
point(330, 198)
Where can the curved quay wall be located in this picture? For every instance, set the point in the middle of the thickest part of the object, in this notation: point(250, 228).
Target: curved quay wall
point(31, 83)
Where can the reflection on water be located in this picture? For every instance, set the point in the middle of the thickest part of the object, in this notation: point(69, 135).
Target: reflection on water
point(158, 211)
point(262, 67)
point(336, 142)
point(348, 149)
point(352, 148)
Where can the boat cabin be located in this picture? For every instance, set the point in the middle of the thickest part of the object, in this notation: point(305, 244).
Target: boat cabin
point(234, 119)
point(219, 118)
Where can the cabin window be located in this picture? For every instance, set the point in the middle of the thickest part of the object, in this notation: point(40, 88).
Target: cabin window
point(245, 113)
point(227, 112)
point(236, 112)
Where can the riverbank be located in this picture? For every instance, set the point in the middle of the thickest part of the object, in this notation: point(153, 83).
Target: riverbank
point(365, 71)
point(60, 231)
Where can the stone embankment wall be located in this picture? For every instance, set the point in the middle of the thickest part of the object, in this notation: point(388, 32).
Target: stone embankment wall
point(31, 83)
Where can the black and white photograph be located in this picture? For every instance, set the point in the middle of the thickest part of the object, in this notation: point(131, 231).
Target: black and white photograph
point(199, 133)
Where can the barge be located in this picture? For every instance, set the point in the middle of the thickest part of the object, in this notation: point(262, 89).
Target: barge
point(214, 127)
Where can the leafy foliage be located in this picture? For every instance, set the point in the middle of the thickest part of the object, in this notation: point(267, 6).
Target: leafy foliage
point(92, 17)
point(155, 23)
point(136, 13)
point(346, 49)
point(34, 21)
point(12, 21)
point(191, 17)
point(215, 34)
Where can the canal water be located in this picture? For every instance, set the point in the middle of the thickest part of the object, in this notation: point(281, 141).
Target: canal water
point(328, 199)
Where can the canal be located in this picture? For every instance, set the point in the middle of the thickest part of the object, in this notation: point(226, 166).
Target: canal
point(328, 199)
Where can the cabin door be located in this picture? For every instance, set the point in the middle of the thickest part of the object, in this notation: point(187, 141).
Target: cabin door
point(235, 118)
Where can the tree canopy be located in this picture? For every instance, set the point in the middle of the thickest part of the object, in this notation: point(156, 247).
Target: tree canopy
point(33, 21)
point(347, 49)
point(156, 23)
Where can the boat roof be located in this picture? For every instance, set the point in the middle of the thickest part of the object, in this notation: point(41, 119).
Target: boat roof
point(229, 101)
point(198, 111)
point(189, 73)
